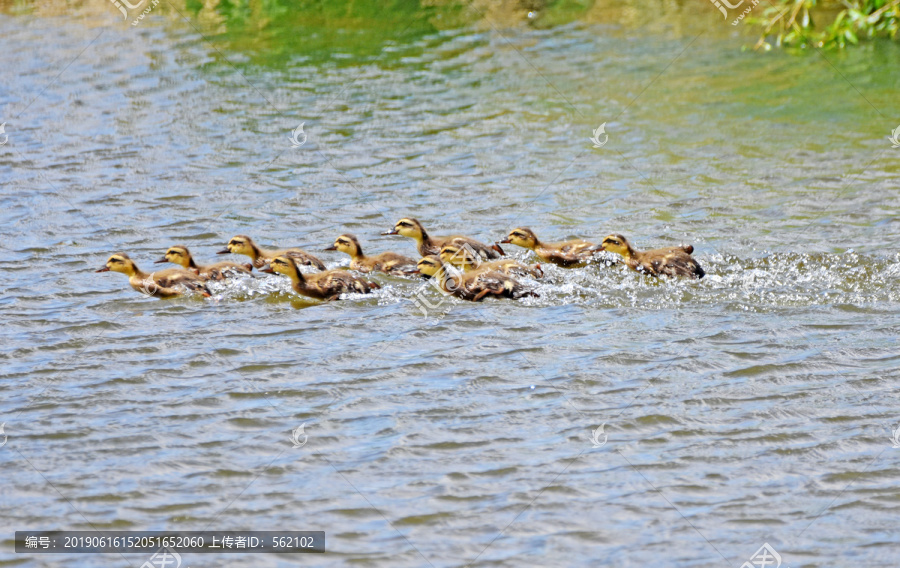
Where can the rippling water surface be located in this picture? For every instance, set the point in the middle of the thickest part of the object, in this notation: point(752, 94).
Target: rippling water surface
point(753, 406)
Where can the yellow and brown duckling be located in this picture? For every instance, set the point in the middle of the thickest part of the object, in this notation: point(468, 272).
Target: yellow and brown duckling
point(427, 244)
point(328, 285)
point(219, 271)
point(389, 262)
point(161, 284)
point(472, 286)
point(460, 257)
point(672, 261)
point(242, 244)
point(567, 254)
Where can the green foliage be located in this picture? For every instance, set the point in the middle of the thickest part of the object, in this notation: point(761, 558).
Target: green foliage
point(792, 23)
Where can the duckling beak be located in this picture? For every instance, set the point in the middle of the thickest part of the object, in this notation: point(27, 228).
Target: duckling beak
point(104, 269)
point(505, 241)
point(267, 269)
point(496, 247)
point(332, 247)
point(224, 251)
point(160, 261)
point(391, 232)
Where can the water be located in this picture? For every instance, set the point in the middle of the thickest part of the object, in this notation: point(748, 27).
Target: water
point(754, 406)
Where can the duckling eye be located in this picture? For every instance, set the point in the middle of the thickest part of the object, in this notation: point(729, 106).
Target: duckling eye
point(404, 224)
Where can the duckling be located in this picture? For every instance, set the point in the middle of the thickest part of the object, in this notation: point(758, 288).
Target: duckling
point(567, 254)
point(242, 244)
point(427, 245)
point(162, 284)
point(472, 286)
point(460, 258)
point(181, 255)
point(673, 261)
point(328, 285)
point(389, 262)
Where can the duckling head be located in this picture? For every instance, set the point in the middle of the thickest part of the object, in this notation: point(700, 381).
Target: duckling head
point(177, 255)
point(429, 266)
point(283, 265)
point(120, 262)
point(459, 256)
point(523, 237)
point(408, 227)
point(347, 244)
point(617, 244)
point(240, 244)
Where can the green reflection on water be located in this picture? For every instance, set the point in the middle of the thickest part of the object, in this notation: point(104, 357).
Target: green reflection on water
point(319, 30)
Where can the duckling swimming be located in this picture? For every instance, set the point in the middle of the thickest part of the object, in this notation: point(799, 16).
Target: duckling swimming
point(328, 285)
point(427, 244)
point(567, 254)
point(219, 271)
point(472, 286)
point(673, 261)
point(389, 262)
point(460, 258)
point(162, 284)
point(242, 244)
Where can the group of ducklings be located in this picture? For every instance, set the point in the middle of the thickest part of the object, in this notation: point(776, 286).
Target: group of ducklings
point(463, 267)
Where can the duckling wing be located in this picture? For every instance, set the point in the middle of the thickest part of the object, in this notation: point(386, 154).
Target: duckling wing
point(393, 263)
point(175, 277)
point(514, 268)
point(676, 263)
point(303, 257)
point(341, 282)
point(561, 258)
point(222, 270)
point(498, 284)
point(485, 252)
point(575, 247)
